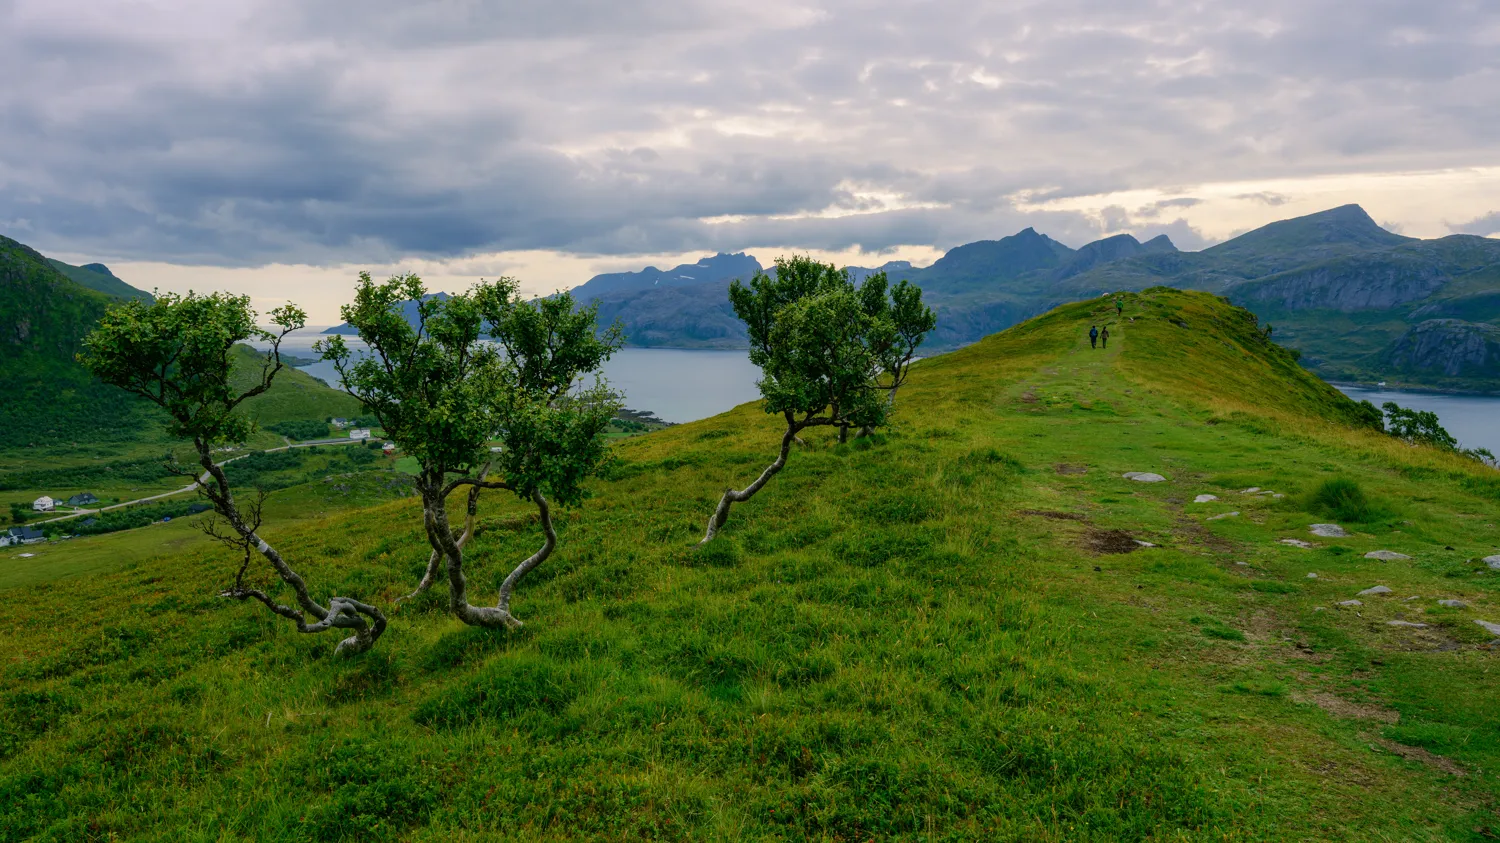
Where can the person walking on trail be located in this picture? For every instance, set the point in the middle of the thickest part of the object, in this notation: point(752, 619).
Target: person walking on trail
point(1104, 338)
point(1093, 336)
point(1120, 305)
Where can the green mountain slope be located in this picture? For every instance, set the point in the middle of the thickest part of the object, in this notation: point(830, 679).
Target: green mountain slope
point(97, 277)
point(948, 633)
point(43, 315)
point(56, 420)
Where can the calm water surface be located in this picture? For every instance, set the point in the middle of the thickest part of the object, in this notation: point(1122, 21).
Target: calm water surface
point(1474, 420)
point(682, 385)
point(677, 385)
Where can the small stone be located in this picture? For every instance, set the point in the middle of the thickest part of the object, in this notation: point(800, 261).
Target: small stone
point(1278, 495)
point(1386, 555)
point(1224, 515)
point(1319, 609)
point(1328, 531)
point(1312, 576)
point(1350, 603)
point(1453, 604)
point(1250, 491)
point(1411, 598)
point(1378, 589)
point(1143, 477)
point(1407, 624)
point(1491, 628)
point(1205, 498)
point(1144, 544)
point(1493, 561)
point(1243, 564)
point(1296, 543)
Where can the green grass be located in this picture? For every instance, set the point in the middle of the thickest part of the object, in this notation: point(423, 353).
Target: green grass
point(913, 638)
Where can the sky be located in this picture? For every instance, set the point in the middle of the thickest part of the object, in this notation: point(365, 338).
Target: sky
point(277, 147)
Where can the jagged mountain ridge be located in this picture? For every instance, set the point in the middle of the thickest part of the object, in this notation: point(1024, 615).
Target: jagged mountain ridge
point(1334, 284)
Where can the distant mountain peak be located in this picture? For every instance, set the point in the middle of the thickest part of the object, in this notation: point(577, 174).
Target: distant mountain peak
point(1346, 226)
point(706, 270)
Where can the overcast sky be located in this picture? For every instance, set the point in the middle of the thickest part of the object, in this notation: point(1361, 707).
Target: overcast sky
point(278, 146)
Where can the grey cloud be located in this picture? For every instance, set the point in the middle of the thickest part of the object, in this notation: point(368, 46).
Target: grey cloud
point(1266, 197)
point(1485, 226)
point(338, 130)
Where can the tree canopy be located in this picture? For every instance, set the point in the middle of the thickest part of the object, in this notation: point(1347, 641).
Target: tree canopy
point(485, 391)
point(830, 353)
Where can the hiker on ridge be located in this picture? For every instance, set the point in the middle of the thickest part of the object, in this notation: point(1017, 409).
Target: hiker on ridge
point(1119, 305)
point(1104, 338)
point(1093, 336)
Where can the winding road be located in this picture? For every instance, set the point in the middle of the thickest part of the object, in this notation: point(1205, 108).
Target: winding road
point(202, 479)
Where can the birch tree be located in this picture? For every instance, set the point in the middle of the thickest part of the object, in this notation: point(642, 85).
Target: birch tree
point(830, 353)
point(177, 353)
point(481, 367)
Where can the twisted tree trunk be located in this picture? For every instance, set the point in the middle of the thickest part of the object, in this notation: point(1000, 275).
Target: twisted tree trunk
point(731, 496)
point(342, 612)
point(440, 536)
point(435, 559)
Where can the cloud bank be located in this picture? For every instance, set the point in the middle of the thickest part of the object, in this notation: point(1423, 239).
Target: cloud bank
point(250, 132)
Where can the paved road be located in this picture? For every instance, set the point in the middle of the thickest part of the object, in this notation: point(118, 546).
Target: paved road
point(193, 487)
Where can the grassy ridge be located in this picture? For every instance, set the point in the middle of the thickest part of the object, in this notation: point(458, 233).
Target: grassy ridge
point(921, 636)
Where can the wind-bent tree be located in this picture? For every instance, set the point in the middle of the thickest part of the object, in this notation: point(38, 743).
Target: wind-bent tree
point(476, 368)
point(176, 353)
point(830, 353)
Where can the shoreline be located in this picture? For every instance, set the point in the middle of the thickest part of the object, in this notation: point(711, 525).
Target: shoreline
point(1422, 390)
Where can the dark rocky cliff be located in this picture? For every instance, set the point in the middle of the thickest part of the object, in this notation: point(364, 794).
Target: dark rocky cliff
point(1450, 347)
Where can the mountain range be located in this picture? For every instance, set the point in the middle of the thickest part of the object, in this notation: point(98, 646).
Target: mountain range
point(1362, 303)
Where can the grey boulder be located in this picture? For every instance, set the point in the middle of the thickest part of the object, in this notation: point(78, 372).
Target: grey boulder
point(1378, 589)
point(1328, 531)
point(1143, 477)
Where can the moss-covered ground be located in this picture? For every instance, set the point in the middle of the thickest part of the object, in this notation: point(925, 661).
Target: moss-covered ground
point(935, 634)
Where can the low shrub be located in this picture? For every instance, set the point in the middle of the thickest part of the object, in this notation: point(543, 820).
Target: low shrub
point(1344, 500)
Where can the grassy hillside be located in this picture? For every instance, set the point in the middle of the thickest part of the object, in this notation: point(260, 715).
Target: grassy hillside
point(97, 277)
point(293, 395)
point(948, 633)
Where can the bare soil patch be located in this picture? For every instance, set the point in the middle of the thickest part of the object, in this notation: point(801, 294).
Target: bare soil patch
point(1340, 707)
point(1416, 753)
point(1057, 516)
point(1110, 541)
point(1065, 468)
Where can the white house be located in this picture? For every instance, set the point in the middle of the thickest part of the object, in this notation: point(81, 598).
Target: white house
point(44, 504)
point(359, 433)
point(340, 423)
point(390, 448)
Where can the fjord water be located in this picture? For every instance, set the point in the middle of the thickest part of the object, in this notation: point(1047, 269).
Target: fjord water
point(678, 385)
point(1474, 420)
point(683, 385)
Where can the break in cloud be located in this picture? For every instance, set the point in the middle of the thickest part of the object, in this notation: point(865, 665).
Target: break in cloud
point(243, 133)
